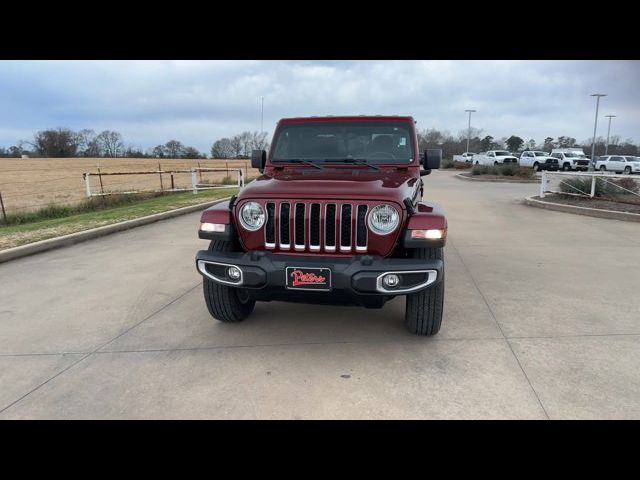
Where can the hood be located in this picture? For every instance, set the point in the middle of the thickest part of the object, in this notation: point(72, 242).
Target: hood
point(335, 183)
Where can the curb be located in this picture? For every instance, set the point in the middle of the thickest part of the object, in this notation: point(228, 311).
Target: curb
point(494, 180)
point(591, 212)
point(72, 238)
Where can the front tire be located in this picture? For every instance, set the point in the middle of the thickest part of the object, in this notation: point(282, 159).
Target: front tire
point(603, 168)
point(627, 170)
point(226, 304)
point(536, 167)
point(423, 311)
point(566, 167)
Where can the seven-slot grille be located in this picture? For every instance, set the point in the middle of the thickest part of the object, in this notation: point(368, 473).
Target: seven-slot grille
point(315, 226)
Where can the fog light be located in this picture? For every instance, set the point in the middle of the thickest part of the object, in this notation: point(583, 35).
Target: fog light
point(212, 227)
point(434, 234)
point(234, 273)
point(391, 280)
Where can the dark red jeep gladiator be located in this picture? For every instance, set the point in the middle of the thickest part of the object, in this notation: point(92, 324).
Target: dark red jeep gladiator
point(336, 217)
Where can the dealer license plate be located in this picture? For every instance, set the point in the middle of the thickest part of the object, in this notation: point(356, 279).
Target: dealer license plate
point(302, 278)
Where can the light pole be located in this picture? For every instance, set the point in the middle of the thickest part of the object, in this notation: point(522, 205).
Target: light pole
point(469, 129)
point(262, 117)
point(595, 125)
point(606, 148)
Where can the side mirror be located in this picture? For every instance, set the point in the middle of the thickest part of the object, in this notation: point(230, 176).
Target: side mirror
point(258, 159)
point(432, 159)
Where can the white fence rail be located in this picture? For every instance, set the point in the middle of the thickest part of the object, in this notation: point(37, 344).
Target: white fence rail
point(196, 180)
point(559, 182)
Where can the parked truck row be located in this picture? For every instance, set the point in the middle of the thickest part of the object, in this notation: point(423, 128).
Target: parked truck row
point(567, 159)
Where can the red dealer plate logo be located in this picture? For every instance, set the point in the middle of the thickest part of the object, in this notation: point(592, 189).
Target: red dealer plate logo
point(303, 278)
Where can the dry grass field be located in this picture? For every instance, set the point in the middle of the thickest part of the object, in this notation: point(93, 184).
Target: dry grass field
point(29, 184)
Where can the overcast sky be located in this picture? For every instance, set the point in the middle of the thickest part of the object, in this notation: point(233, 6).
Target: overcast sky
point(197, 102)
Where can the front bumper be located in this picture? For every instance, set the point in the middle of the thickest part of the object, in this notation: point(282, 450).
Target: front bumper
point(264, 274)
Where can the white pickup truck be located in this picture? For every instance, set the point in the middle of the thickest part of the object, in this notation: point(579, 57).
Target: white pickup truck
point(494, 157)
point(538, 160)
point(465, 157)
point(618, 164)
point(571, 158)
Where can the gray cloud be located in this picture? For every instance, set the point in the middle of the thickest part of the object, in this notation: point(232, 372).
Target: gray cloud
point(150, 102)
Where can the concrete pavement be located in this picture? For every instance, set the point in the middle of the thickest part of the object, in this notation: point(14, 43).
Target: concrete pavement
point(542, 320)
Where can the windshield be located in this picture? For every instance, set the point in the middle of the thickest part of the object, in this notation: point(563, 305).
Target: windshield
point(500, 153)
point(375, 142)
point(540, 154)
point(575, 155)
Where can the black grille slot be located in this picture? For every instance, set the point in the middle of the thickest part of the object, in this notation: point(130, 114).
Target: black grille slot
point(345, 226)
point(361, 228)
point(284, 223)
point(314, 225)
point(330, 226)
point(270, 227)
point(299, 224)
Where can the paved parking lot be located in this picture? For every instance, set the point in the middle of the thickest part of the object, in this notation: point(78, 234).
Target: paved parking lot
point(542, 320)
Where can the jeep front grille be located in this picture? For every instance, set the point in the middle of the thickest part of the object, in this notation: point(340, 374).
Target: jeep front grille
point(316, 226)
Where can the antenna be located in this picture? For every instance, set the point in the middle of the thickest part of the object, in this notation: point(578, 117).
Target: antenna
point(262, 117)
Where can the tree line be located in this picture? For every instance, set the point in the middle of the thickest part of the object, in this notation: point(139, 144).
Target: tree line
point(65, 142)
point(455, 145)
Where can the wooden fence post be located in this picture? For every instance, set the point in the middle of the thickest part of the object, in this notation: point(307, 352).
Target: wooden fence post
point(200, 172)
point(104, 202)
point(4, 214)
point(160, 173)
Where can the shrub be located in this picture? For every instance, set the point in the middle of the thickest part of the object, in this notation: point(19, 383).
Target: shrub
point(462, 165)
point(447, 163)
point(507, 170)
point(480, 170)
point(523, 172)
point(628, 184)
point(603, 188)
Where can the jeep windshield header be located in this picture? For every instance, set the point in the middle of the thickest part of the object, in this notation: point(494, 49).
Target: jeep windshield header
point(370, 142)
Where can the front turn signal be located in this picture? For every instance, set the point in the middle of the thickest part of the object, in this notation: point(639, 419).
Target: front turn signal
point(431, 234)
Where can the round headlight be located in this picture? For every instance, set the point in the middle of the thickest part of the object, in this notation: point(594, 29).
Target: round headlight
point(252, 216)
point(383, 219)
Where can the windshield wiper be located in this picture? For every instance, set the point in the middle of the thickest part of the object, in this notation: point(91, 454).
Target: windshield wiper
point(359, 161)
point(299, 160)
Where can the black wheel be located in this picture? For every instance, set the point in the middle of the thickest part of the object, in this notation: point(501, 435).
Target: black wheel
point(536, 167)
point(423, 311)
point(566, 167)
point(227, 304)
point(477, 162)
point(627, 170)
point(603, 168)
point(495, 163)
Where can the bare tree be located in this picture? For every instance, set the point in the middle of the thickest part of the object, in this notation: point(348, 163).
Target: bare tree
point(110, 144)
point(237, 146)
point(221, 148)
point(191, 152)
point(259, 141)
point(60, 142)
point(174, 149)
point(87, 143)
point(158, 151)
